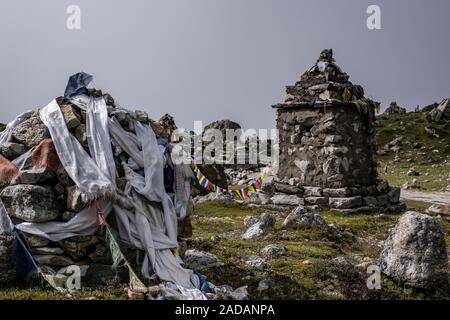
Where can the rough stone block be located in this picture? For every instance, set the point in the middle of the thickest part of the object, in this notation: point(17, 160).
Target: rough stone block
point(30, 203)
point(345, 203)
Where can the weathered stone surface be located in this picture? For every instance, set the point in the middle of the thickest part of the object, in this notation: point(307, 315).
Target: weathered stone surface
point(317, 201)
point(63, 177)
point(53, 260)
point(265, 222)
point(287, 200)
point(30, 203)
point(75, 199)
point(337, 193)
point(249, 221)
point(303, 217)
point(439, 210)
point(201, 261)
point(30, 132)
point(313, 192)
point(141, 116)
point(68, 215)
point(102, 255)
point(7, 269)
point(79, 247)
point(321, 154)
point(273, 251)
point(81, 135)
point(394, 195)
point(11, 150)
point(394, 108)
point(36, 176)
point(34, 241)
point(70, 116)
point(47, 251)
point(213, 197)
point(370, 201)
point(101, 274)
point(258, 198)
point(345, 203)
point(383, 201)
point(412, 173)
point(415, 252)
point(256, 262)
point(287, 189)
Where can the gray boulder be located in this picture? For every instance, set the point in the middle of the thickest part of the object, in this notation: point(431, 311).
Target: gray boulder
point(415, 252)
point(30, 132)
point(256, 262)
point(345, 203)
point(287, 188)
point(273, 251)
point(79, 247)
point(258, 198)
point(303, 217)
point(75, 199)
point(7, 270)
point(30, 203)
point(201, 261)
point(265, 222)
point(53, 260)
point(36, 176)
point(11, 150)
point(287, 200)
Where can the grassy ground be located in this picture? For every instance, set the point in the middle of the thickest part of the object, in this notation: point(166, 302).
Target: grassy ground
point(425, 147)
point(306, 272)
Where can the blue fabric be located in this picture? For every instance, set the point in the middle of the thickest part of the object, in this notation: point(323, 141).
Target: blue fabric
point(204, 285)
point(23, 260)
point(77, 84)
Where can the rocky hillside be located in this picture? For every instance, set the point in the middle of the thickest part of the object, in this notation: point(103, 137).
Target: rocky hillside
point(411, 141)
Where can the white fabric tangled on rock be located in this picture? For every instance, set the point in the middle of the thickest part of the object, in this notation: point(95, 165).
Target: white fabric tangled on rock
point(147, 227)
point(5, 135)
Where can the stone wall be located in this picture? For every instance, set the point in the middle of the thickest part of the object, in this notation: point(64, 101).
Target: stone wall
point(326, 147)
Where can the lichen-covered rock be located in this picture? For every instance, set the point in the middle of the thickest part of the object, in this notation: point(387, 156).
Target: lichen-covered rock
point(337, 193)
point(256, 262)
point(345, 203)
point(287, 189)
point(439, 210)
point(287, 200)
point(265, 222)
point(7, 269)
point(30, 203)
point(201, 261)
point(258, 198)
point(75, 199)
point(317, 201)
point(415, 252)
point(303, 217)
point(30, 132)
point(36, 176)
point(70, 116)
point(273, 251)
point(34, 241)
point(11, 150)
point(79, 247)
point(394, 195)
point(53, 260)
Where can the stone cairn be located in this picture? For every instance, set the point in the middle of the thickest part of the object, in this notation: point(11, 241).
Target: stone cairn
point(394, 108)
point(34, 187)
point(327, 144)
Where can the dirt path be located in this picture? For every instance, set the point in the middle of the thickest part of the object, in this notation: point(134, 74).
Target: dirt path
point(430, 197)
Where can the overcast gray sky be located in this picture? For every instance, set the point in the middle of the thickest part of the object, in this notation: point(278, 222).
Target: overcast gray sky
point(216, 59)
